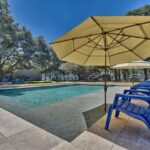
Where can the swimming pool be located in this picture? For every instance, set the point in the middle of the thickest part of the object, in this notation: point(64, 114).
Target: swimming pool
point(56, 109)
point(35, 96)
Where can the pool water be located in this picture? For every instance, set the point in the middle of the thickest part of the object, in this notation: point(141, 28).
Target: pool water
point(35, 96)
point(57, 109)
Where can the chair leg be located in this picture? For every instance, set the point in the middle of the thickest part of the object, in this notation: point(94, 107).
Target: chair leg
point(117, 113)
point(109, 117)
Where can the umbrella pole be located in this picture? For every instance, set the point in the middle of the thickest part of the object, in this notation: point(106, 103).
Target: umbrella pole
point(105, 89)
point(133, 76)
point(105, 84)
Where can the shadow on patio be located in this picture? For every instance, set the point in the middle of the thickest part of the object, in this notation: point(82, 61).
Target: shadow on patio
point(125, 132)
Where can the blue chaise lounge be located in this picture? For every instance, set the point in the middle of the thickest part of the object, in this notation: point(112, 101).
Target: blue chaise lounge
point(123, 103)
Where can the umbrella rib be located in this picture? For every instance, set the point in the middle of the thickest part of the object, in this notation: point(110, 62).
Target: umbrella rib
point(82, 53)
point(143, 31)
point(115, 38)
point(97, 23)
point(92, 51)
point(79, 47)
point(114, 45)
point(137, 24)
point(119, 53)
point(85, 36)
point(94, 43)
point(77, 51)
point(106, 32)
point(130, 49)
point(97, 43)
point(96, 49)
point(144, 38)
point(97, 56)
point(133, 48)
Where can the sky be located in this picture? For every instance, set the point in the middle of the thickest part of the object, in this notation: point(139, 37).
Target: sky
point(52, 18)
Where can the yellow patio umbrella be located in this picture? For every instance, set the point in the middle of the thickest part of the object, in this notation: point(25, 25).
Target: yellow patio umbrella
point(133, 65)
point(105, 41)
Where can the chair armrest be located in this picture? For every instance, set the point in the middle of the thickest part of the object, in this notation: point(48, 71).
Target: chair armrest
point(140, 88)
point(137, 97)
point(134, 92)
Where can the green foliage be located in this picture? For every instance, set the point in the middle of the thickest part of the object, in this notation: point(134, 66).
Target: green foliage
point(143, 11)
point(15, 41)
point(77, 69)
point(19, 50)
point(44, 58)
point(36, 82)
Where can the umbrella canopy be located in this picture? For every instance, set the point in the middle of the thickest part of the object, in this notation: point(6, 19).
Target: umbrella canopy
point(105, 41)
point(119, 39)
point(133, 65)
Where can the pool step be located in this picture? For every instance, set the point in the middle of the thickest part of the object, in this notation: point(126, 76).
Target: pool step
point(90, 141)
point(65, 146)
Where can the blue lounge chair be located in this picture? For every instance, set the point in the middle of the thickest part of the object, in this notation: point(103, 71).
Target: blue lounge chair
point(145, 85)
point(137, 92)
point(123, 103)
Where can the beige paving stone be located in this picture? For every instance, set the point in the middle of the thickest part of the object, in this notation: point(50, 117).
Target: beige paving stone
point(34, 139)
point(12, 125)
point(118, 147)
point(144, 136)
point(131, 145)
point(131, 130)
point(7, 146)
point(89, 141)
point(64, 146)
point(116, 126)
point(6, 116)
point(132, 134)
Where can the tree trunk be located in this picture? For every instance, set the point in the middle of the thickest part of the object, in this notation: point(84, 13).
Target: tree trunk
point(124, 75)
point(145, 74)
point(116, 75)
point(1, 72)
point(119, 75)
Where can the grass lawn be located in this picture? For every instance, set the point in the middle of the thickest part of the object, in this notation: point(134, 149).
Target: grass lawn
point(32, 82)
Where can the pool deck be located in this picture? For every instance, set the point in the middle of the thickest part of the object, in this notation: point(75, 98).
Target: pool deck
point(2, 86)
point(65, 119)
point(125, 132)
point(18, 134)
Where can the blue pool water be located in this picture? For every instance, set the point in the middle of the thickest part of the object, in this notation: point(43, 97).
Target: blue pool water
point(42, 95)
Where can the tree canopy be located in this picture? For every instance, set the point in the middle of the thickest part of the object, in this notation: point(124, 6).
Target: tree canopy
point(18, 48)
point(142, 11)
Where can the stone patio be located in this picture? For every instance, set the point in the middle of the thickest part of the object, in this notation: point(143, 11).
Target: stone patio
point(17, 134)
point(65, 119)
point(125, 133)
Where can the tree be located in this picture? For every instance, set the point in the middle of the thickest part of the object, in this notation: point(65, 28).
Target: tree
point(143, 11)
point(44, 59)
point(8, 37)
point(79, 70)
point(16, 44)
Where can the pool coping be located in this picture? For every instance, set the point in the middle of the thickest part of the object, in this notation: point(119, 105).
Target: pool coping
point(14, 128)
point(14, 87)
point(20, 87)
